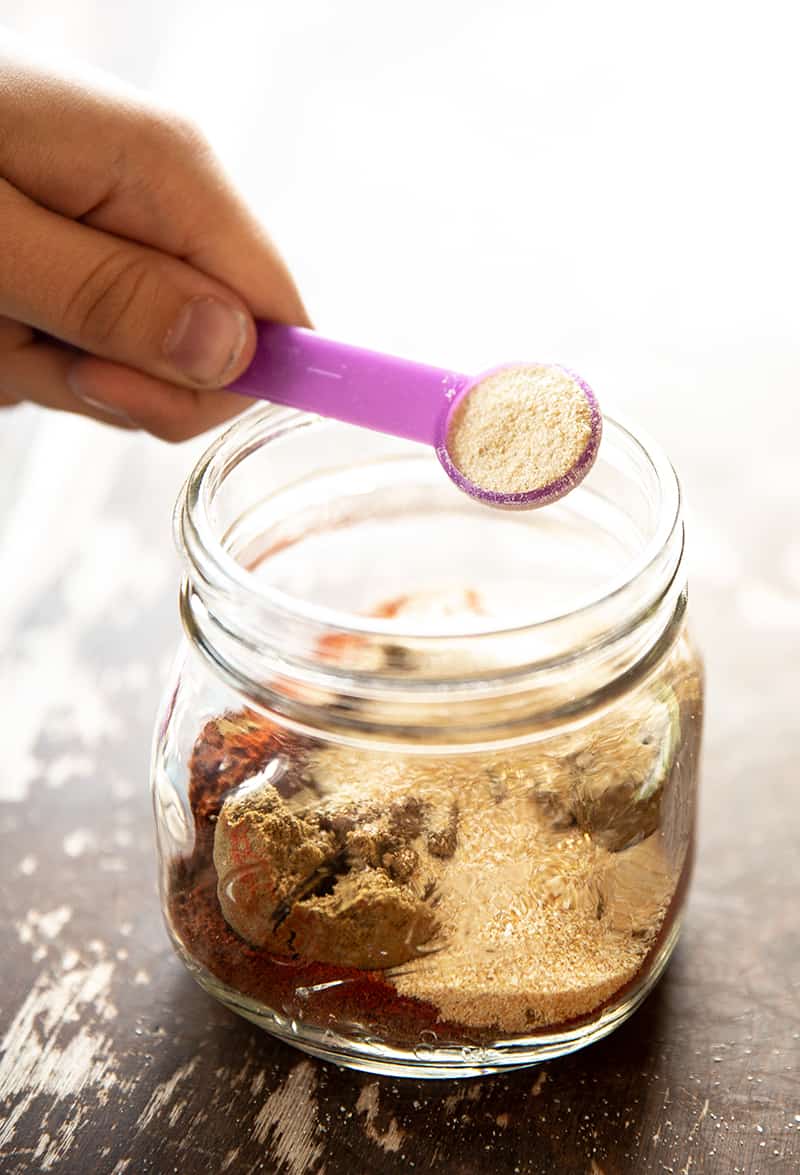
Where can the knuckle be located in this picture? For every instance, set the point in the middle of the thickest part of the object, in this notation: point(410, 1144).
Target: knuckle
point(104, 306)
point(190, 138)
point(177, 135)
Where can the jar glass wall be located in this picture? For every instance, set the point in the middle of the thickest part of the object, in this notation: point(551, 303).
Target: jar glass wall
point(425, 777)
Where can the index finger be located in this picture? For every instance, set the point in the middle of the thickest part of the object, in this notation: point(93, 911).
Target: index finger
point(88, 148)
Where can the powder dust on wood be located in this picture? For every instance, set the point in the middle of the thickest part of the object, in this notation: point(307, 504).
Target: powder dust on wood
point(520, 429)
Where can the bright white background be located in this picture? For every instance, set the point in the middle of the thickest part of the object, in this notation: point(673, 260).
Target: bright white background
point(615, 184)
point(612, 185)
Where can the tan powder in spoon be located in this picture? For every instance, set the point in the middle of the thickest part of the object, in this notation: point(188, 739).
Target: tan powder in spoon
point(520, 429)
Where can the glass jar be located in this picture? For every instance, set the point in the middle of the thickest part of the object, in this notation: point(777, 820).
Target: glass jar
point(424, 779)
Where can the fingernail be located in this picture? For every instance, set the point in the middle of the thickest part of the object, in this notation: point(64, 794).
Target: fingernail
point(206, 340)
point(110, 410)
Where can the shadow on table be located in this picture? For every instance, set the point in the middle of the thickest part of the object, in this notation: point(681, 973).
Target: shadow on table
point(589, 1112)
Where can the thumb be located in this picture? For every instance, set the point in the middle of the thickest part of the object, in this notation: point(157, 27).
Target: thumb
point(117, 299)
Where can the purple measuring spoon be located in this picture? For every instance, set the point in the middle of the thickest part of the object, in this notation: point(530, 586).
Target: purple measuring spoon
point(301, 369)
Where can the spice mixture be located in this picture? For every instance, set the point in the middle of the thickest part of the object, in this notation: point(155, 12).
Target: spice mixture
point(520, 429)
point(497, 894)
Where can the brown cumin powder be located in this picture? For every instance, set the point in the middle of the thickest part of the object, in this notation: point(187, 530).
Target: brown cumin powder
point(535, 926)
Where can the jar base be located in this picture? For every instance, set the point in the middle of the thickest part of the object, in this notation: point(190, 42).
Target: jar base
point(428, 1061)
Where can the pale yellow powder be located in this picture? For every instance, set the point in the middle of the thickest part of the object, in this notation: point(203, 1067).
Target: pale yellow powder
point(536, 926)
point(520, 429)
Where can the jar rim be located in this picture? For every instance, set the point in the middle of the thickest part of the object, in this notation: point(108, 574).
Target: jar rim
point(479, 687)
point(207, 555)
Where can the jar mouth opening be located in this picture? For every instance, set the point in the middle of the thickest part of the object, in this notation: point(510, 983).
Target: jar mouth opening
point(204, 538)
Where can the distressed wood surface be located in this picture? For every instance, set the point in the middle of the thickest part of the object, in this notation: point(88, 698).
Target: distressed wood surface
point(113, 1061)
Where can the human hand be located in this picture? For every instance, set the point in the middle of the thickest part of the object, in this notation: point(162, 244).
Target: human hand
point(130, 271)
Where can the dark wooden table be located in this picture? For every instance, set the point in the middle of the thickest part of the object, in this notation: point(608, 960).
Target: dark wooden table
point(115, 1063)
